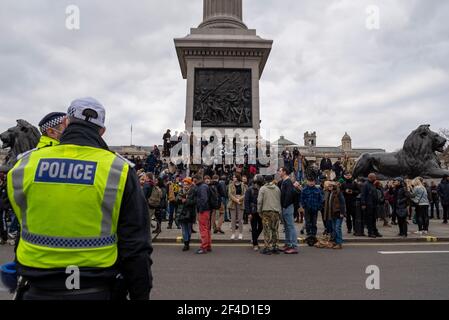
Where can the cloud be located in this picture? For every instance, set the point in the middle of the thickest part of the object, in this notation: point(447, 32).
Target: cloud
point(327, 72)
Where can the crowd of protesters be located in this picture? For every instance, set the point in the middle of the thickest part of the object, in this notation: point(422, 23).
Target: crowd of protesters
point(206, 197)
point(209, 196)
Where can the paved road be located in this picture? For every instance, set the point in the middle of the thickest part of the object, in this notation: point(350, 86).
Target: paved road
point(235, 272)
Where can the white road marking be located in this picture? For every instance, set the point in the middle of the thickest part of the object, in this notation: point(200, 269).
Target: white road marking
point(412, 252)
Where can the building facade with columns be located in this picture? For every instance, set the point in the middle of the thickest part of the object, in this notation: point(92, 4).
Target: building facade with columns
point(315, 153)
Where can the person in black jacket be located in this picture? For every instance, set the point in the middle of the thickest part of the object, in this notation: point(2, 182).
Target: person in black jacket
point(369, 201)
point(326, 167)
point(434, 201)
point(288, 194)
point(443, 192)
point(402, 199)
point(134, 242)
point(186, 213)
point(338, 169)
point(350, 190)
point(251, 207)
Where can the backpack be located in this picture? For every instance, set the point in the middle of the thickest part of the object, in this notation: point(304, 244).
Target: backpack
point(155, 198)
point(214, 198)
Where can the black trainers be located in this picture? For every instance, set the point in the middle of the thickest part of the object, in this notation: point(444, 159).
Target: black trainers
point(266, 251)
point(276, 251)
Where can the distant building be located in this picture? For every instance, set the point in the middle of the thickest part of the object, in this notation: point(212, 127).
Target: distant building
point(130, 151)
point(314, 153)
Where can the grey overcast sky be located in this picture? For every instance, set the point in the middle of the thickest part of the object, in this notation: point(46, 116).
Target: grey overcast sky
point(327, 72)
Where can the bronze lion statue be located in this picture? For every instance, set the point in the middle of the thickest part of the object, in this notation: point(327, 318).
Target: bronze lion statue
point(19, 139)
point(418, 158)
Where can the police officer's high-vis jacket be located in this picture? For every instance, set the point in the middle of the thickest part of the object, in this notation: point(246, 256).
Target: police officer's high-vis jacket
point(46, 141)
point(67, 199)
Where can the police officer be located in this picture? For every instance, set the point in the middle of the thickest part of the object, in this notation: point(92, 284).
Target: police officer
point(84, 219)
point(51, 127)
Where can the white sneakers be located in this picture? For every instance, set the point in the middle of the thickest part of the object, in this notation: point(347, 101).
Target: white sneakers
point(421, 233)
point(233, 237)
point(240, 236)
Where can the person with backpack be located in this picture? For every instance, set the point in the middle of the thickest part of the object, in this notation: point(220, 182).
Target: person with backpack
point(186, 210)
point(203, 209)
point(218, 192)
point(154, 195)
point(251, 196)
point(147, 189)
point(312, 199)
point(236, 193)
point(434, 201)
point(173, 189)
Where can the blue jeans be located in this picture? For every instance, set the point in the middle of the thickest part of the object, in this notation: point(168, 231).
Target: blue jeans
point(227, 216)
point(171, 213)
point(291, 239)
point(299, 176)
point(336, 230)
point(186, 231)
point(311, 217)
point(328, 227)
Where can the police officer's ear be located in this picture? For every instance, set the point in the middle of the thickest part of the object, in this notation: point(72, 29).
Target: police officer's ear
point(102, 131)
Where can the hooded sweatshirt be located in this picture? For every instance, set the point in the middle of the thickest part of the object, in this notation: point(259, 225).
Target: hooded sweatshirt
point(269, 198)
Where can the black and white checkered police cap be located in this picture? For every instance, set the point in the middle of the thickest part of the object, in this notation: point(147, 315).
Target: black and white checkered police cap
point(51, 120)
point(88, 109)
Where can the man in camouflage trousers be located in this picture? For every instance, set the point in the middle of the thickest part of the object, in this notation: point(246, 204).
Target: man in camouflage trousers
point(269, 204)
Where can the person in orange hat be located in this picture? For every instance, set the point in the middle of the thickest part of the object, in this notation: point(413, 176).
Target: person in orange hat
point(186, 213)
